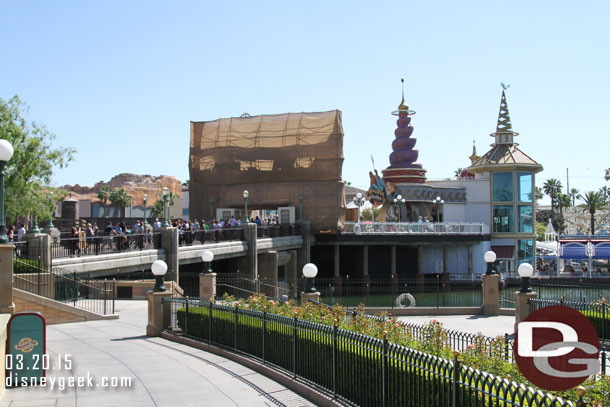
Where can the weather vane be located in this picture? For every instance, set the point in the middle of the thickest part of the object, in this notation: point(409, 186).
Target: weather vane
point(504, 86)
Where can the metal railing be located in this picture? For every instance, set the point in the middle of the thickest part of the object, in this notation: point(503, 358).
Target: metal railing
point(68, 287)
point(188, 238)
point(278, 230)
point(75, 247)
point(352, 367)
point(439, 228)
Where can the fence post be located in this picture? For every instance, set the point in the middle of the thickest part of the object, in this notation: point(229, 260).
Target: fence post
point(264, 333)
point(384, 372)
point(186, 320)
point(38, 275)
point(113, 291)
point(236, 324)
point(294, 348)
point(456, 378)
point(506, 347)
point(603, 338)
point(210, 325)
point(335, 329)
point(105, 294)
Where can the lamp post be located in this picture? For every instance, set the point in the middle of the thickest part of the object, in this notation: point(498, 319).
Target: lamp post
point(490, 258)
point(247, 218)
point(159, 268)
point(438, 202)
point(145, 198)
point(399, 200)
point(6, 152)
point(211, 208)
point(301, 207)
point(50, 224)
point(359, 200)
point(310, 271)
point(164, 192)
point(34, 228)
point(207, 258)
point(525, 271)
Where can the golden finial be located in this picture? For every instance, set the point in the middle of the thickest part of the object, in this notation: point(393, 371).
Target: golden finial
point(403, 105)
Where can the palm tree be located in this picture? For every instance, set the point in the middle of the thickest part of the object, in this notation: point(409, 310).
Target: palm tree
point(104, 195)
point(605, 192)
point(458, 173)
point(574, 193)
point(563, 201)
point(552, 187)
point(121, 199)
point(538, 193)
point(593, 202)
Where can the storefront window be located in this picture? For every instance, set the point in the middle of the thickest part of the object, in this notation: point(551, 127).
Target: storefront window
point(503, 218)
point(526, 222)
point(502, 185)
point(524, 185)
point(525, 251)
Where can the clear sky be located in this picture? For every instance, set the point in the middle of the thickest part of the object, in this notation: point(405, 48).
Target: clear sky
point(120, 81)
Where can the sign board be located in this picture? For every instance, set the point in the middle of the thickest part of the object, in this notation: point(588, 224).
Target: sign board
point(25, 348)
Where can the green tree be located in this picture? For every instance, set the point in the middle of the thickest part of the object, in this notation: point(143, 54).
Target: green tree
point(121, 199)
point(540, 231)
point(538, 193)
point(574, 194)
point(29, 172)
point(605, 193)
point(366, 214)
point(104, 195)
point(157, 208)
point(563, 201)
point(552, 187)
point(607, 174)
point(592, 202)
point(457, 173)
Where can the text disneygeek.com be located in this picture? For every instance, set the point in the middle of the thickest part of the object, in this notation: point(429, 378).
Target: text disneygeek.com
point(61, 383)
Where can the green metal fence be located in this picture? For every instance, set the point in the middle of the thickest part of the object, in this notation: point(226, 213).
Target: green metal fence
point(354, 368)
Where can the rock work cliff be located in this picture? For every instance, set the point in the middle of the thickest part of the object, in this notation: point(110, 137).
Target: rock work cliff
point(134, 184)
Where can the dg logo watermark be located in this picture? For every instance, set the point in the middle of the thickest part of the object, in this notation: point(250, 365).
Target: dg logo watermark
point(557, 348)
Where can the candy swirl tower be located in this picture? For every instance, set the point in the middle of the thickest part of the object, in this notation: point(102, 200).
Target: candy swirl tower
point(403, 166)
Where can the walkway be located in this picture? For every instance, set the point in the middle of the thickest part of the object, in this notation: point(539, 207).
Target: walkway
point(488, 326)
point(162, 373)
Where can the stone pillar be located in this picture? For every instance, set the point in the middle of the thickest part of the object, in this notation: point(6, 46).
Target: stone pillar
point(251, 252)
point(267, 273)
point(304, 253)
point(337, 260)
point(169, 243)
point(470, 268)
point(39, 248)
point(292, 274)
point(522, 308)
point(337, 289)
point(155, 312)
point(491, 295)
point(6, 279)
point(309, 296)
point(207, 286)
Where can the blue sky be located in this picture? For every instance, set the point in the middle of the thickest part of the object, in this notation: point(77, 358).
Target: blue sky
point(120, 81)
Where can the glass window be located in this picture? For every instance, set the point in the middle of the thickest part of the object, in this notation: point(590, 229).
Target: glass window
point(526, 223)
point(502, 184)
point(503, 218)
point(524, 184)
point(525, 251)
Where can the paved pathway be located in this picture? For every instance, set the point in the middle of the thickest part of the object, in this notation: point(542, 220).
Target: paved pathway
point(162, 373)
point(488, 326)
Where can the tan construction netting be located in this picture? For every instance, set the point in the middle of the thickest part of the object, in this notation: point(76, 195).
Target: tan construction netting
point(276, 158)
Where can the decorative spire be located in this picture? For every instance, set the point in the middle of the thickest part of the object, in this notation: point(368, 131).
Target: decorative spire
point(403, 105)
point(504, 130)
point(403, 166)
point(474, 155)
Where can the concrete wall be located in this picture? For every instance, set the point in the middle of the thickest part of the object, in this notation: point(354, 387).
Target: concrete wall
point(54, 312)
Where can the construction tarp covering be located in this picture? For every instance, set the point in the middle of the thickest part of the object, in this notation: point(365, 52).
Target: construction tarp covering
point(276, 158)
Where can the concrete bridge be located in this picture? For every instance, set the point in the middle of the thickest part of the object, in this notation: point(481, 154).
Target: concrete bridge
point(253, 256)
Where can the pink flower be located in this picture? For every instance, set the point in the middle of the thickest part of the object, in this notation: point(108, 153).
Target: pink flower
point(397, 325)
point(470, 346)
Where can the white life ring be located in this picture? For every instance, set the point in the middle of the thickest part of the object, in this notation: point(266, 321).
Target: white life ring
point(357, 229)
point(405, 296)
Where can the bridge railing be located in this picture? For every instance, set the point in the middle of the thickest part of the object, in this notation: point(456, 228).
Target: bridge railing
point(278, 230)
point(423, 228)
point(188, 238)
point(74, 247)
